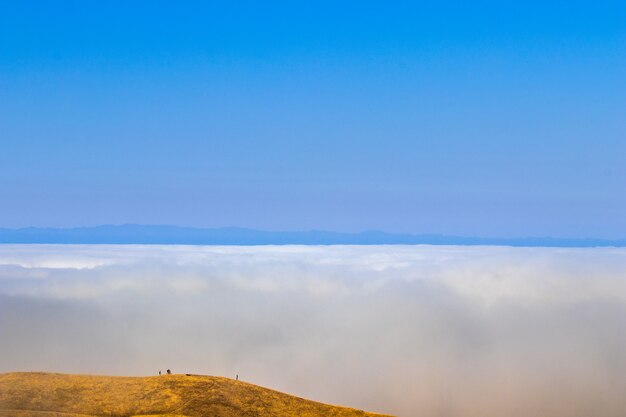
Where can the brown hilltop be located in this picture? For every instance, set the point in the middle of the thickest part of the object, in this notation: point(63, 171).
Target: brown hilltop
point(36, 394)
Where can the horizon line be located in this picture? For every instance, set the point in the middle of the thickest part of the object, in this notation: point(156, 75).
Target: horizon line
point(163, 234)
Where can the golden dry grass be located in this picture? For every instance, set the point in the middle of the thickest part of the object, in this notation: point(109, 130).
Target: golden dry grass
point(36, 394)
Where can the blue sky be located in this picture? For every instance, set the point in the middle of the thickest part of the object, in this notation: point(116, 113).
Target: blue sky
point(466, 118)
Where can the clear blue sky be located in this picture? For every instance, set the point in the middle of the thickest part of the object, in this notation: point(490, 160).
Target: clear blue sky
point(468, 118)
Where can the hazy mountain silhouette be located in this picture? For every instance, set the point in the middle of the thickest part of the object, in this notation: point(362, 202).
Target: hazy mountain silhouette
point(153, 234)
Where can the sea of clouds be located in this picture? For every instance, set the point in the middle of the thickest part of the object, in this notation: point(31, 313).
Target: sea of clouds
point(408, 330)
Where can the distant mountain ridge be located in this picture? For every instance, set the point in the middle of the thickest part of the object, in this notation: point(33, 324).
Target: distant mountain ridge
point(175, 235)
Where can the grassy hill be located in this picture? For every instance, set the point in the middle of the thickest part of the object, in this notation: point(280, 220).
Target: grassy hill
point(36, 394)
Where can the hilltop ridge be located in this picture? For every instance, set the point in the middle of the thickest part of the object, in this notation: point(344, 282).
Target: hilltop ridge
point(38, 394)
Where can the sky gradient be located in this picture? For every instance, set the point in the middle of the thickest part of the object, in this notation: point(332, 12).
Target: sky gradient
point(479, 120)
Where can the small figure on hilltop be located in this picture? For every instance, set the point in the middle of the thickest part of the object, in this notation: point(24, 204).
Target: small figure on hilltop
point(237, 377)
point(159, 373)
point(169, 372)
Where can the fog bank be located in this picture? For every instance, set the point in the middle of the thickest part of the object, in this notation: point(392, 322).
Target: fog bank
point(410, 330)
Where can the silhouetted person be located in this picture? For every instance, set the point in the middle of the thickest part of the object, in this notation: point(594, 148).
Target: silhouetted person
point(169, 372)
point(237, 377)
point(159, 373)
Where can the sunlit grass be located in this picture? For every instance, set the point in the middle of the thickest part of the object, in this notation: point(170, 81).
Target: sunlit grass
point(60, 395)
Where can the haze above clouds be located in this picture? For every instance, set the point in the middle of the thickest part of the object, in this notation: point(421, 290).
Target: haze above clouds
point(411, 330)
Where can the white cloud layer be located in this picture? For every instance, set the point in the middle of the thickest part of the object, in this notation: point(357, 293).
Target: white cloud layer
point(410, 330)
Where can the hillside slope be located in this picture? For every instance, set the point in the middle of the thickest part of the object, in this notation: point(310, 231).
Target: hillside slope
point(36, 394)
